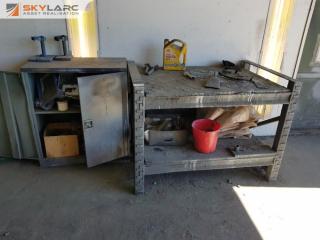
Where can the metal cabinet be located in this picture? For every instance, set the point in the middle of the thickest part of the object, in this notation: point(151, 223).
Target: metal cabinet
point(16, 131)
point(103, 108)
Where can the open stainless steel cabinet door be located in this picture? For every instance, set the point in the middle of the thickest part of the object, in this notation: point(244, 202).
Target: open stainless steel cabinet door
point(104, 108)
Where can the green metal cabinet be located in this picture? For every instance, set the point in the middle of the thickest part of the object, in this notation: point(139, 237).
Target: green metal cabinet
point(17, 140)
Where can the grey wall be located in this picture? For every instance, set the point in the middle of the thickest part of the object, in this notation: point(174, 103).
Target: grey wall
point(308, 110)
point(16, 45)
point(310, 43)
point(213, 29)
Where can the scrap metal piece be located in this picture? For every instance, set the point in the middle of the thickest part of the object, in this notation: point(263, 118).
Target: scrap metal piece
point(252, 150)
point(258, 83)
point(188, 75)
point(236, 150)
point(212, 76)
point(234, 74)
point(213, 82)
point(148, 69)
point(199, 73)
point(228, 64)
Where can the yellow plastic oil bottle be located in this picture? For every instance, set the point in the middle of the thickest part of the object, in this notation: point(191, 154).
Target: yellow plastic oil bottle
point(174, 55)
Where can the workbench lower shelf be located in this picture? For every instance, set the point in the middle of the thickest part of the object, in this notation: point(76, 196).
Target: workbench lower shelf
point(166, 159)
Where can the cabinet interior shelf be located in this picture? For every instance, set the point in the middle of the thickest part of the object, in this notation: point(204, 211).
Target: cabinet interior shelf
point(72, 110)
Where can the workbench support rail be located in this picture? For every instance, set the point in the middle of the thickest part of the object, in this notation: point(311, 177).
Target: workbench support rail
point(246, 65)
point(139, 116)
point(268, 121)
point(283, 130)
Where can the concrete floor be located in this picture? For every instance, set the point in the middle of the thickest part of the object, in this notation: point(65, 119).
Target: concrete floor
point(79, 203)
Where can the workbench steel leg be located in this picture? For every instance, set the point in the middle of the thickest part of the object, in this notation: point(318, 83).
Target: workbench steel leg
point(283, 130)
point(139, 115)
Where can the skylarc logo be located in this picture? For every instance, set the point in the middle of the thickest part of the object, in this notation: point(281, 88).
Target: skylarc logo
point(12, 9)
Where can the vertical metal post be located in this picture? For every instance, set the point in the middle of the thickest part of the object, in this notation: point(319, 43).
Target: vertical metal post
point(139, 115)
point(138, 126)
point(283, 130)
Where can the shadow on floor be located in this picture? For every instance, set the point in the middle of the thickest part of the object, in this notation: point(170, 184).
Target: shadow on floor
point(80, 203)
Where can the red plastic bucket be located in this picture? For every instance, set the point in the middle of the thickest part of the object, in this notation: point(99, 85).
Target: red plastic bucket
point(205, 135)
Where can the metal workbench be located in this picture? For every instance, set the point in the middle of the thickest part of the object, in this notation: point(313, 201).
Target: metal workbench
point(171, 90)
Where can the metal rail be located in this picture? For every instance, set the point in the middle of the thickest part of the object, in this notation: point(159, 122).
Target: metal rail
point(268, 70)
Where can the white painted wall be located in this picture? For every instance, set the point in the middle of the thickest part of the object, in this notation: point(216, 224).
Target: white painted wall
point(213, 29)
point(15, 43)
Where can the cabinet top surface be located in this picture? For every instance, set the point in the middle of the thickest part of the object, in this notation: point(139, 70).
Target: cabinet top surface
point(174, 84)
point(77, 64)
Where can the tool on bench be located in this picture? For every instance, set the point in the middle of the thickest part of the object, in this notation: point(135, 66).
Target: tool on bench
point(66, 54)
point(213, 82)
point(212, 76)
point(43, 57)
point(245, 150)
point(229, 65)
point(174, 55)
point(148, 69)
point(233, 72)
point(198, 73)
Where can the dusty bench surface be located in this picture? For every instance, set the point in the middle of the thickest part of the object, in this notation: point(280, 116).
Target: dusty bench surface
point(174, 83)
point(171, 89)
